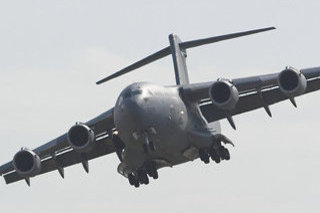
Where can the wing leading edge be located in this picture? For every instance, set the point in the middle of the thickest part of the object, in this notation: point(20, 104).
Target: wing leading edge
point(58, 154)
point(69, 158)
point(254, 92)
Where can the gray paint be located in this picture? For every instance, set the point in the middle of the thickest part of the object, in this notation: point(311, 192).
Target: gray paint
point(169, 117)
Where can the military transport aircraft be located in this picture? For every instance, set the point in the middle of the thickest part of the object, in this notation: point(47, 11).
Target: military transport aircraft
point(153, 126)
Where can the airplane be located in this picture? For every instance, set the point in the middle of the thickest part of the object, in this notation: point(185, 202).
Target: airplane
point(153, 126)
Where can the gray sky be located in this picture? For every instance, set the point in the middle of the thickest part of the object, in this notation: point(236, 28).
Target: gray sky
point(52, 52)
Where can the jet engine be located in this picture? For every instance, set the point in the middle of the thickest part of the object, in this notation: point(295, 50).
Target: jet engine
point(81, 137)
point(292, 82)
point(27, 163)
point(224, 94)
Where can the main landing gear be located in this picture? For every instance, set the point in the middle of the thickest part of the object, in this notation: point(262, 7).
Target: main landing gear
point(216, 154)
point(142, 175)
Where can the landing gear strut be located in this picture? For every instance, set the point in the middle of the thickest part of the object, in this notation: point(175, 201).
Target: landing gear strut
point(149, 145)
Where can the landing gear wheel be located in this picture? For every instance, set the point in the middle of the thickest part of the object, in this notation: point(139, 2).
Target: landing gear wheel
point(207, 159)
point(143, 177)
point(132, 179)
point(136, 184)
point(224, 152)
point(215, 156)
point(152, 171)
point(227, 154)
point(155, 175)
point(204, 156)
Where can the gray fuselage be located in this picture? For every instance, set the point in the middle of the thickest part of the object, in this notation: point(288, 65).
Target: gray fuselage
point(145, 113)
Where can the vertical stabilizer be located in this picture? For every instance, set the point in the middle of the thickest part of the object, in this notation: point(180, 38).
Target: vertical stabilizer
point(179, 56)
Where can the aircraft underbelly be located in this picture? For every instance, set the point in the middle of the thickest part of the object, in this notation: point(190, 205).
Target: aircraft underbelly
point(168, 148)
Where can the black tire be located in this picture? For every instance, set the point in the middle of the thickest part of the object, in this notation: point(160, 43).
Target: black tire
point(224, 153)
point(206, 159)
point(150, 169)
point(217, 159)
point(155, 175)
point(152, 172)
point(132, 179)
point(136, 184)
point(143, 177)
point(204, 156)
point(227, 154)
point(146, 180)
point(215, 156)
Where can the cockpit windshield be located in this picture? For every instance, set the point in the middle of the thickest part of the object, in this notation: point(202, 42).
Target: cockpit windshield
point(130, 93)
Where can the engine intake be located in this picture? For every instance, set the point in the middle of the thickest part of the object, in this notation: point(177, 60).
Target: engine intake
point(27, 163)
point(292, 82)
point(224, 95)
point(81, 137)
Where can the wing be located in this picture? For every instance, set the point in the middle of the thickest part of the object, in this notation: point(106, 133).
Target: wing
point(254, 92)
point(58, 154)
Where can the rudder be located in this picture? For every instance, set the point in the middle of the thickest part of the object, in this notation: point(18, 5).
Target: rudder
point(179, 56)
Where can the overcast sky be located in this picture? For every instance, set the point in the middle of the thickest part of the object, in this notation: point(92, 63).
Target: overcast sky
point(53, 52)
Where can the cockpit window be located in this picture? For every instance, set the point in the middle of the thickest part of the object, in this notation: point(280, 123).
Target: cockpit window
point(130, 93)
point(136, 92)
point(127, 94)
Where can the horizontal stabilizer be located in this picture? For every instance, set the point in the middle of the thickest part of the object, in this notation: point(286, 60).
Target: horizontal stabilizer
point(199, 42)
point(151, 58)
point(183, 45)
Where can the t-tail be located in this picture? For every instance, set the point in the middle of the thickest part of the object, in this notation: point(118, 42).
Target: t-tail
point(178, 49)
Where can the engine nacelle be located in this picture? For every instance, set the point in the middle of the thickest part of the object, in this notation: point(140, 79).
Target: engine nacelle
point(224, 95)
point(292, 82)
point(27, 163)
point(81, 137)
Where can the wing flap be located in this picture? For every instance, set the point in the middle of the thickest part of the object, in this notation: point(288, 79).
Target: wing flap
point(5, 168)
